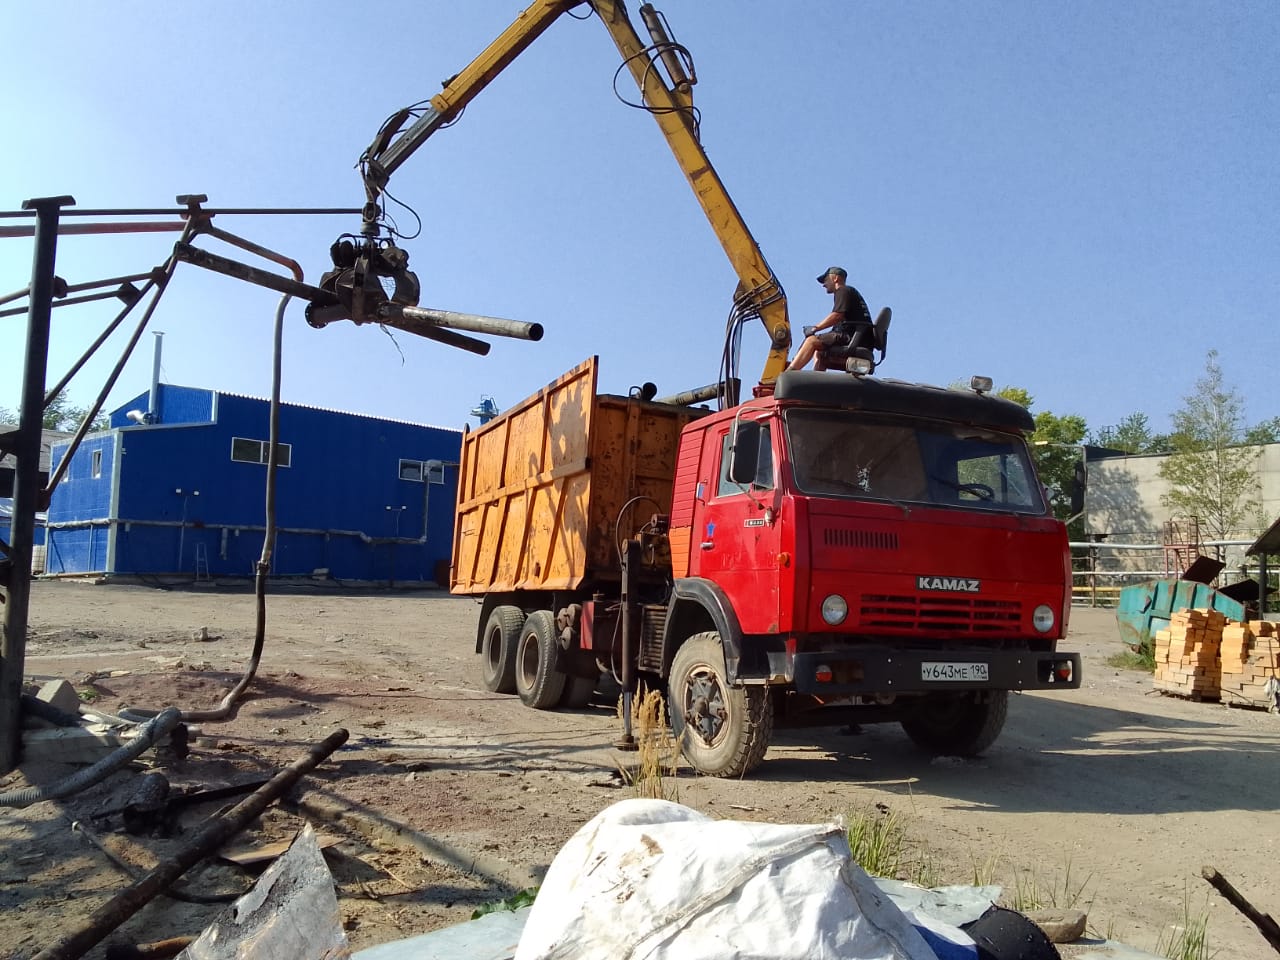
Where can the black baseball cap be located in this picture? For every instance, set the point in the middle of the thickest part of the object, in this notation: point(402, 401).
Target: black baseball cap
point(838, 271)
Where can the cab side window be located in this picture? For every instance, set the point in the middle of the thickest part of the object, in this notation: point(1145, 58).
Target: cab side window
point(764, 467)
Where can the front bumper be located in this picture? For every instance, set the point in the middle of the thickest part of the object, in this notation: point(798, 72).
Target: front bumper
point(890, 670)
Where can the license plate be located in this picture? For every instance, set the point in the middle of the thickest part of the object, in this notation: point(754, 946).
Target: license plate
point(961, 672)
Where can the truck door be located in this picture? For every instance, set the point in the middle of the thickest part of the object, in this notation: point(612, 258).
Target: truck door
point(736, 538)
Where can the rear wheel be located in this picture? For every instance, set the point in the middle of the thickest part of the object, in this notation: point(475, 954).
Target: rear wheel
point(538, 681)
point(958, 724)
point(498, 649)
point(723, 730)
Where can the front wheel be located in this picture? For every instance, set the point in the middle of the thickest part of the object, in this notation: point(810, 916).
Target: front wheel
point(957, 724)
point(723, 730)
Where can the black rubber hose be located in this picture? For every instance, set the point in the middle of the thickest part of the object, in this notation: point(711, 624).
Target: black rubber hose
point(147, 735)
point(47, 711)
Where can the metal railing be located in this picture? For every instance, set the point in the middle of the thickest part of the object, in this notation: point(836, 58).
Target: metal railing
point(1101, 570)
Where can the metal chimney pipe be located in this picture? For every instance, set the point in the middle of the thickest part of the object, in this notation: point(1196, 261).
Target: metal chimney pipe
point(153, 401)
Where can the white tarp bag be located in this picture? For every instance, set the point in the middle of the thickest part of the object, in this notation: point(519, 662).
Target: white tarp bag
point(653, 880)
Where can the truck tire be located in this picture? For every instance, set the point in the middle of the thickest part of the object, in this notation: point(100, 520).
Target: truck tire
point(498, 649)
point(958, 724)
point(578, 691)
point(723, 730)
point(538, 681)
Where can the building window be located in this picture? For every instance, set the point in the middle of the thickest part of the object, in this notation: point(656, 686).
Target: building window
point(422, 471)
point(255, 451)
point(95, 464)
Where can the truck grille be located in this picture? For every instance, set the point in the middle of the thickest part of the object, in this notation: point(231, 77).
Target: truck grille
point(954, 614)
point(859, 539)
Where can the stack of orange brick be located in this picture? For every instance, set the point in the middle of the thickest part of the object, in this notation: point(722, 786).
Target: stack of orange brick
point(1186, 654)
point(1250, 658)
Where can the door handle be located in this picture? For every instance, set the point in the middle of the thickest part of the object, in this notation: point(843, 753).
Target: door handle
point(708, 545)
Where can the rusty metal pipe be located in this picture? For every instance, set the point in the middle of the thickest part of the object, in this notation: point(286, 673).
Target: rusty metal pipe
point(242, 271)
point(432, 332)
point(266, 253)
point(630, 565)
point(128, 293)
point(183, 211)
point(494, 326)
point(215, 832)
point(688, 398)
point(68, 229)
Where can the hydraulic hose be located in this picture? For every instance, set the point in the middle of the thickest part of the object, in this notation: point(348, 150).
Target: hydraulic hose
point(147, 735)
point(263, 569)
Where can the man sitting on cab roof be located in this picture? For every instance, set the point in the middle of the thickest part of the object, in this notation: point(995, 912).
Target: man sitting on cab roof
point(849, 321)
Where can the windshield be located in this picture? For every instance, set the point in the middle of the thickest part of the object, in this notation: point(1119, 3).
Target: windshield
point(889, 458)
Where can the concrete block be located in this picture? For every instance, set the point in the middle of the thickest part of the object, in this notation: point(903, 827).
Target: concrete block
point(60, 694)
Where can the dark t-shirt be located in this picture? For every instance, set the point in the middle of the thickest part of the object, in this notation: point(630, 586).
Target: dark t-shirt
point(849, 302)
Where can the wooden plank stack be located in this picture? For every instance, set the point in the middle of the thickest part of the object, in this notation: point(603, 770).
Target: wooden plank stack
point(1250, 657)
point(1186, 654)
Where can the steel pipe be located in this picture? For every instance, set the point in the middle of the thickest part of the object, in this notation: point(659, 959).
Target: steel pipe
point(697, 395)
point(494, 326)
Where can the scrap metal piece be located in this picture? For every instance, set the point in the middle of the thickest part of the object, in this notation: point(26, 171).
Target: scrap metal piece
point(148, 805)
point(215, 832)
point(292, 911)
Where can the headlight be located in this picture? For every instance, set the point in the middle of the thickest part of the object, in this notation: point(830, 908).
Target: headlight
point(834, 609)
point(1042, 618)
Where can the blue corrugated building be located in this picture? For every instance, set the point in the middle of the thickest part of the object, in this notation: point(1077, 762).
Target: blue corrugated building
point(177, 486)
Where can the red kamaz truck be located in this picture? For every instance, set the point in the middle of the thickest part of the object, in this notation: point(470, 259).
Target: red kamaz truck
point(837, 547)
point(847, 549)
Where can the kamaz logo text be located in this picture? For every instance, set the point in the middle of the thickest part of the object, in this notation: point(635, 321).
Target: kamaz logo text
point(954, 584)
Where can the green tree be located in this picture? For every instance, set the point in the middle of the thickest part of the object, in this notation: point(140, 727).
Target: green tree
point(1212, 472)
point(1268, 431)
point(1132, 435)
point(60, 415)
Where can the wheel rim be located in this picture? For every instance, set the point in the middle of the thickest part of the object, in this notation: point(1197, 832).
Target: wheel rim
point(527, 667)
point(492, 650)
point(706, 709)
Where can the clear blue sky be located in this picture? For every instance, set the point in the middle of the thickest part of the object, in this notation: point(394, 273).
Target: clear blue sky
point(1077, 198)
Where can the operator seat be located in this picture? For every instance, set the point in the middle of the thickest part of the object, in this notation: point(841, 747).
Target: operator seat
point(835, 357)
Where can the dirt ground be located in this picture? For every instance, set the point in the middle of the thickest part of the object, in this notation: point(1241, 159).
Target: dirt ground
point(446, 797)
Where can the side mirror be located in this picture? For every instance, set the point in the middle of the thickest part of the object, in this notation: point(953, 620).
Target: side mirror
point(1079, 483)
point(744, 452)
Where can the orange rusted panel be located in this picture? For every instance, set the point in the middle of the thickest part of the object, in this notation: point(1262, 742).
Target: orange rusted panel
point(549, 488)
point(680, 538)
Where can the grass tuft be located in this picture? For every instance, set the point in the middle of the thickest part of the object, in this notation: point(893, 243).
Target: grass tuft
point(1143, 658)
point(1190, 940)
point(878, 840)
point(1032, 890)
point(658, 753)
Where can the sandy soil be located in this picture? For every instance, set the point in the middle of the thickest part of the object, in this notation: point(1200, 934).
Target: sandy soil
point(1109, 798)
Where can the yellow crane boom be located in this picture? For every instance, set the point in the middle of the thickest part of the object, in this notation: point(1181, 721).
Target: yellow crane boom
point(659, 70)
